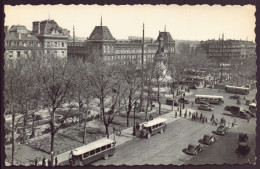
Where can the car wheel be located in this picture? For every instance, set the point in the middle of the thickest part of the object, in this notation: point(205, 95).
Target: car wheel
point(105, 156)
point(148, 135)
point(161, 131)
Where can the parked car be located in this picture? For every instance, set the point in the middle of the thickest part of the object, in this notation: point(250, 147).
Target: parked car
point(249, 113)
point(234, 97)
point(181, 100)
point(209, 139)
point(205, 107)
point(221, 130)
point(227, 108)
point(170, 101)
point(202, 102)
point(193, 149)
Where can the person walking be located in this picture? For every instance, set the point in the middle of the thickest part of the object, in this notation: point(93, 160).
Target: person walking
point(206, 120)
point(175, 114)
point(56, 161)
point(44, 161)
point(36, 161)
point(49, 162)
point(189, 113)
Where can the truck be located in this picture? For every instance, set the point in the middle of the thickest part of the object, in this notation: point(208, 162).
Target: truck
point(239, 112)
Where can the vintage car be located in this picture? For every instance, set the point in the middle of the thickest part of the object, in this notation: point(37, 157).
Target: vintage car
point(209, 139)
point(170, 101)
point(202, 102)
point(193, 149)
point(181, 100)
point(205, 107)
point(227, 108)
point(234, 97)
point(221, 130)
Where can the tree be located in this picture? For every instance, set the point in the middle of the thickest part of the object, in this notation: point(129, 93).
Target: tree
point(55, 76)
point(107, 86)
point(131, 77)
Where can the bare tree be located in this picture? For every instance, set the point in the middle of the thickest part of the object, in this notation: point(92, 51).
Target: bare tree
point(132, 84)
point(55, 75)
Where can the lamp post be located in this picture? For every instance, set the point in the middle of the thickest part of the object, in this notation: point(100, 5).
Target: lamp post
point(134, 119)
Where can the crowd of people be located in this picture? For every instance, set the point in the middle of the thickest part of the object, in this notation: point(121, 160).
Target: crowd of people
point(49, 163)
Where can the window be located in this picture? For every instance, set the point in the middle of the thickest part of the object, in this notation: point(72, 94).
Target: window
point(109, 146)
point(85, 155)
point(55, 44)
point(18, 54)
point(103, 148)
point(97, 150)
point(92, 152)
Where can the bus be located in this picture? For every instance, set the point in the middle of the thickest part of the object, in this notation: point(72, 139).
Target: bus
point(209, 98)
point(152, 127)
point(91, 152)
point(236, 90)
point(252, 107)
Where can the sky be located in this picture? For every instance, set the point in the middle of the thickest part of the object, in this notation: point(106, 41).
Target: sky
point(200, 22)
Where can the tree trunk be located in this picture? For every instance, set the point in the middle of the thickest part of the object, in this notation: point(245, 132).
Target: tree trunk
point(33, 135)
point(129, 109)
point(25, 118)
point(13, 130)
point(172, 99)
point(158, 97)
point(52, 126)
point(107, 133)
point(147, 105)
point(85, 130)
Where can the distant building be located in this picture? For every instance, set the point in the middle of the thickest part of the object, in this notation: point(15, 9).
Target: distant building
point(20, 42)
point(45, 38)
point(229, 48)
point(101, 43)
point(53, 38)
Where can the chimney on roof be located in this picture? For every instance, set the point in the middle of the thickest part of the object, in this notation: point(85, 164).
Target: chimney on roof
point(6, 29)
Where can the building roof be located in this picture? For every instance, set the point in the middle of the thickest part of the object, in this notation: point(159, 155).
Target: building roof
point(48, 27)
point(25, 37)
point(101, 33)
point(18, 29)
point(154, 122)
point(166, 37)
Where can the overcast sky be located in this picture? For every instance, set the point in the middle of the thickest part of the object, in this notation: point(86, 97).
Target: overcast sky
point(183, 22)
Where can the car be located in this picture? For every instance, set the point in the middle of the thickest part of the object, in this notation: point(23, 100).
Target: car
point(221, 130)
point(227, 108)
point(234, 97)
point(193, 149)
point(205, 107)
point(249, 113)
point(170, 101)
point(209, 139)
point(181, 100)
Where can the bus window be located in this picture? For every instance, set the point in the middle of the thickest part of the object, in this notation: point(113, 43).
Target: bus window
point(85, 155)
point(92, 152)
point(97, 150)
point(109, 146)
point(103, 148)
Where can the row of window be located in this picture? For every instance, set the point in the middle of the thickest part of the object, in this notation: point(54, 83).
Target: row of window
point(55, 44)
point(22, 44)
point(97, 150)
point(116, 57)
point(157, 125)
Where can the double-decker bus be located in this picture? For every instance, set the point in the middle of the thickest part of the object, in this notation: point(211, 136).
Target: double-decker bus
point(209, 98)
point(91, 152)
point(152, 127)
point(236, 90)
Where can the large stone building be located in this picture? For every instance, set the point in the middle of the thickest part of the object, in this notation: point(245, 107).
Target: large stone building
point(19, 42)
point(229, 48)
point(101, 43)
point(45, 38)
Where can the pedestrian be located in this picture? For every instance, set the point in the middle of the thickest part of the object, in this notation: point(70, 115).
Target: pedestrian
point(186, 111)
point(56, 161)
point(180, 112)
point(212, 118)
point(49, 162)
point(189, 113)
point(185, 114)
point(43, 161)
point(175, 114)
point(248, 119)
point(201, 116)
point(203, 120)
point(206, 120)
point(36, 161)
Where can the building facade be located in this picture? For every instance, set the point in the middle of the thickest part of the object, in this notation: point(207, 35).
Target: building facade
point(101, 43)
point(229, 48)
point(45, 38)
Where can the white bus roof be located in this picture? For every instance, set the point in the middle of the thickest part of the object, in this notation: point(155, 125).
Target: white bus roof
point(252, 104)
point(91, 146)
point(211, 96)
point(154, 122)
point(236, 87)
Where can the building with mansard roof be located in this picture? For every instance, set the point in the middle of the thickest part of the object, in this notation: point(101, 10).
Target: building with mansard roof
point(101, 43)
point(47, 37)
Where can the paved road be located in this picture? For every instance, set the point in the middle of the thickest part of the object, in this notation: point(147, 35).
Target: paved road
point(163, 148)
